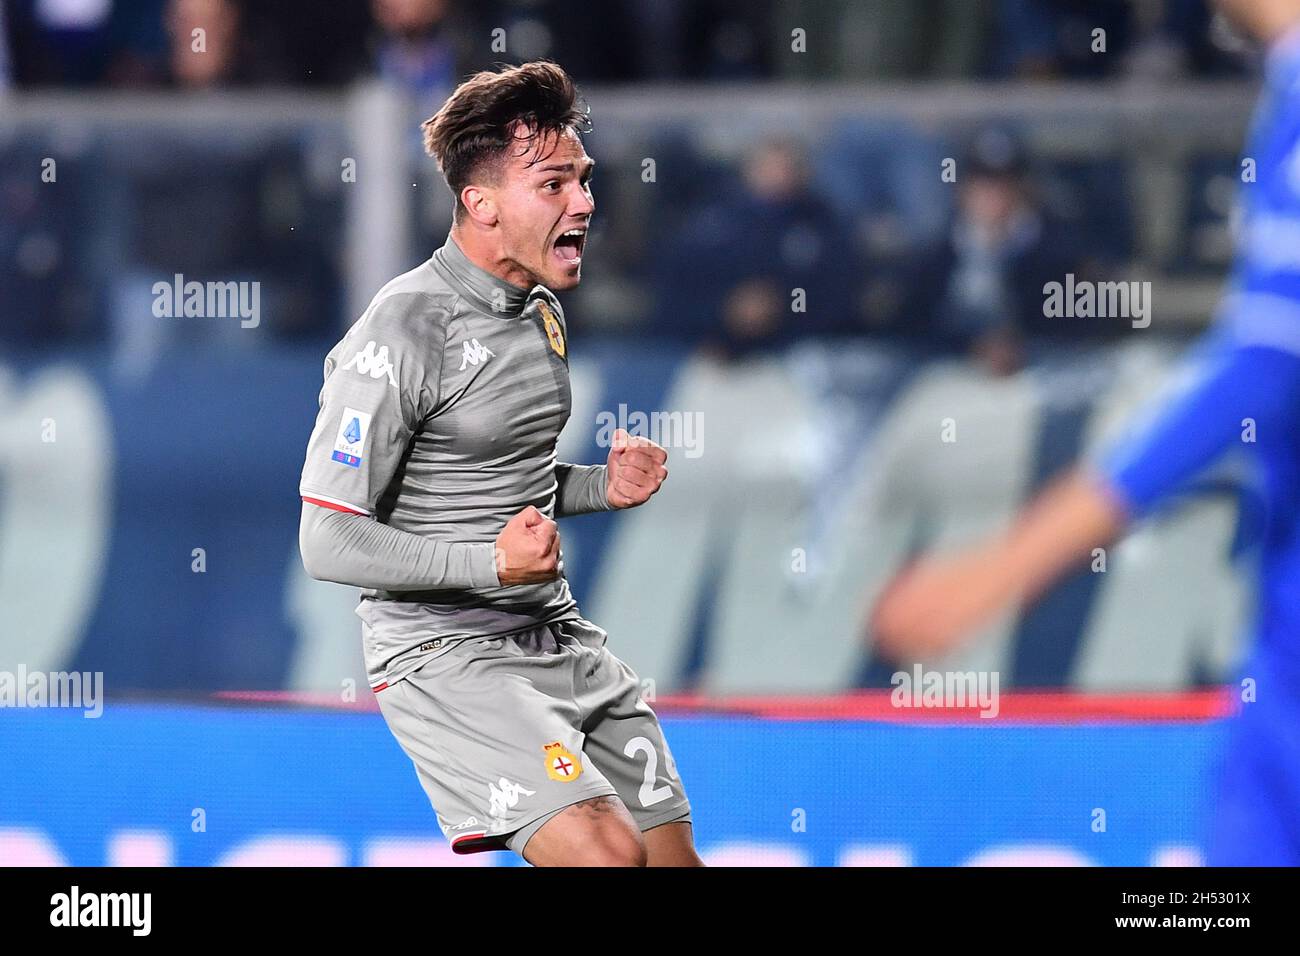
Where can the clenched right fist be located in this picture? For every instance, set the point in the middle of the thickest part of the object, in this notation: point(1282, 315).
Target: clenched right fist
point(528, 549)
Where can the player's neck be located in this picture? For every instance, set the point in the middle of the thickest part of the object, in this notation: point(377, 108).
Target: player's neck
point(485, 253)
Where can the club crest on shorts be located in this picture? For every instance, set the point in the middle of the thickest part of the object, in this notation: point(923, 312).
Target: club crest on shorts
point(554, 334)
point(561, 765)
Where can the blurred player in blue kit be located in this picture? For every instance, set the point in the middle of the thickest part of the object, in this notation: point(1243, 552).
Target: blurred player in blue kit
point(1246, 382)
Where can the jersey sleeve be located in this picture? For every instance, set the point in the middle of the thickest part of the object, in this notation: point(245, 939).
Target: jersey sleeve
point(1238, 396)
point(381, 382)
point(350, 549)
point(1245, 377)
point(1263, 307)
point(580, 489)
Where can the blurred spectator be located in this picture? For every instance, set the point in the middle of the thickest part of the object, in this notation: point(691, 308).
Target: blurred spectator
point(728, 39)
point(660, 27)
point(418, 47)
point(424, 45)
point(883, 39)
point(602, 47)
point(761, 266)
point(1047, 38)
point(881, 176)
point(979, 291)
point(287, 43)
point(6, 72)
point(1077, 39)
point(259, 222)
point(215, 43)
point(1188, 37)
point(186, 43)
point(204, 38)
point(60, 42)
point(192, 44)
point(45, 292)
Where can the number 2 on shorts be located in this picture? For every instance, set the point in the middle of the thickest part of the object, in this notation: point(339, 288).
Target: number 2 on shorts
point(649, 794)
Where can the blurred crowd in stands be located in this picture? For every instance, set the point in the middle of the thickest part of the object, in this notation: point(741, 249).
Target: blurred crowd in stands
point(964, 276)
point(427, 44)
point(851, 235)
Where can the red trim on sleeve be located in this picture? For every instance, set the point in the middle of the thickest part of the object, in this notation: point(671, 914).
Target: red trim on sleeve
point(332, 506)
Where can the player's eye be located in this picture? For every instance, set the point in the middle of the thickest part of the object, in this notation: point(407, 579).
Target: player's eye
point(553, 182)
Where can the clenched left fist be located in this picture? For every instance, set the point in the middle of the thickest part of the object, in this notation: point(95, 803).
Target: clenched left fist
point(636, 470)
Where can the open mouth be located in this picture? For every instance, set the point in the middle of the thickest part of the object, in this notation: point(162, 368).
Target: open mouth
point(568, 246)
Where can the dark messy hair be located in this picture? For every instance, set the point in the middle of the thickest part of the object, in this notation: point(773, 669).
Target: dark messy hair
point(491, 111)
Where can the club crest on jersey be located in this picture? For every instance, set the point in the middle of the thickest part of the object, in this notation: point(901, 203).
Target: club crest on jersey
point(373, 363)
point(561, 765)
point(351, 439)
point(554, 334)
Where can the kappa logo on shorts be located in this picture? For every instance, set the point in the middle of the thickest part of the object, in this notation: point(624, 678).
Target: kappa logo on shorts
point(561, 765)
point(503, 795)
point(465, 825)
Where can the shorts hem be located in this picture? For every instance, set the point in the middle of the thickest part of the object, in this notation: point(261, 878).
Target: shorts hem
point(679, 812)
point(477, 844)
point(601, 791)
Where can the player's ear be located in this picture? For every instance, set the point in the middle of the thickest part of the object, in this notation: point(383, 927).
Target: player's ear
point(480, 204)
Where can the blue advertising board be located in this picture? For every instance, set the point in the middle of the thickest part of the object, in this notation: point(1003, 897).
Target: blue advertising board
point(200, 785)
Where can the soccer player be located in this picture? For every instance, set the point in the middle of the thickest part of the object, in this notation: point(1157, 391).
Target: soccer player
point(1247, 380)
point(431, 482)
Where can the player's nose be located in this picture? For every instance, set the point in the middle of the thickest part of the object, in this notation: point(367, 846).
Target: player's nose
point(582, 204)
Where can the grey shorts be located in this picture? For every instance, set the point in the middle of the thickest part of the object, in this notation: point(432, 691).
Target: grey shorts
point(505, 732)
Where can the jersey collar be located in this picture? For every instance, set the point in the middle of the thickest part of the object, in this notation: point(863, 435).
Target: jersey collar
point(490, 293)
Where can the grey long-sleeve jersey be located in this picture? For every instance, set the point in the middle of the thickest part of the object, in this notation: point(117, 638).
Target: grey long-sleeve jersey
point(438, 421)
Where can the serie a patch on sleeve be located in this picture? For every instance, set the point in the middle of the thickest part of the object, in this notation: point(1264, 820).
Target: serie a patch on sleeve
point(350, 442)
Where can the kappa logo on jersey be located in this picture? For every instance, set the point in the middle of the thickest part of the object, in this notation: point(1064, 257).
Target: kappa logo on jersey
point(373, 363)
point(472, 353)
point(561, 764)
point(350, 443)
point(554, 334)
point(503, 795)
